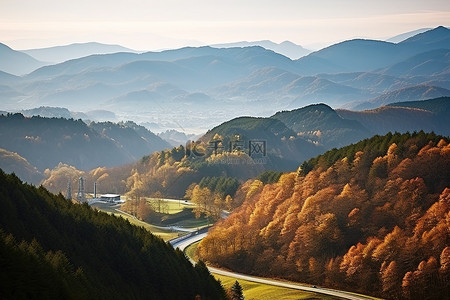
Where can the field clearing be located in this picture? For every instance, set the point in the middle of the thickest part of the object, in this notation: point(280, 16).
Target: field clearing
point(169, 206)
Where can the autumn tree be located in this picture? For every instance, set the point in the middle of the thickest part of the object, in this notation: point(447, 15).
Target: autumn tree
point(390, 279)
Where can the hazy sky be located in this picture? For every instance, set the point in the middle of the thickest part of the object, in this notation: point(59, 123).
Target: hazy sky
point(151, 25)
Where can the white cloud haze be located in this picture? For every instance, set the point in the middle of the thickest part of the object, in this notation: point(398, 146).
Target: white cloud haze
point(147, 25)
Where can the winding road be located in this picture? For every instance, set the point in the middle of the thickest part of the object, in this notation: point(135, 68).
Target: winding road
point(183, 243)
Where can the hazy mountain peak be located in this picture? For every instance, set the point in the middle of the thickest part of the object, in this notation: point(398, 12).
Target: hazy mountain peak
point(403, 36)
point(438, 34)
point(5, 47)
point(286, 48)
point(63, 53)
point(16, 62)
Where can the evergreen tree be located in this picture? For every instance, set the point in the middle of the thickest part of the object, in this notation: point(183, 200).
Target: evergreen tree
point(237, 291)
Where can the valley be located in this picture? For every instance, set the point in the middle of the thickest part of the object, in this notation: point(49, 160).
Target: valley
point(298, 173)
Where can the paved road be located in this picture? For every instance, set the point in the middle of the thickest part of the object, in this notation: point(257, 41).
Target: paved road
point(184, 243)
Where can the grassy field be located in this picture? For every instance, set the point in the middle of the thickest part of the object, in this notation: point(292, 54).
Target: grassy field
point(253, 290)
point(258, 291)
point(169, 207)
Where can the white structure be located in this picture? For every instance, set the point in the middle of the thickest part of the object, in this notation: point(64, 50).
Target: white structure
point(110, 197)
point(69, 190)
point(81, 196)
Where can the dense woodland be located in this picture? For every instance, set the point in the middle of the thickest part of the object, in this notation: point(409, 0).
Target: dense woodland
point(45, 142)
point(372, 217)
point(169, 173)
point(51, 248)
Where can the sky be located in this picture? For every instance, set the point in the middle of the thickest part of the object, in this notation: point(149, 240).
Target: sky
point(163, 24)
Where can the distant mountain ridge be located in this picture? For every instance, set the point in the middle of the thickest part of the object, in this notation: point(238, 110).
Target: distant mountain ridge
point(286, 48)
point(401, 37)
point(351, 56)
point(58, 54)
point(201, 87)
point(419, 92)
point(16, 62)
point(433, 62)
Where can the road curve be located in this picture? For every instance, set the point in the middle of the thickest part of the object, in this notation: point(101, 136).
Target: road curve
point(195, 237)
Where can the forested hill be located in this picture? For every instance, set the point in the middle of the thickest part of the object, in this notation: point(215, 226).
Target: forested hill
point(370, 217)
point(284, 148)
point(51, 248)
point(320, 123)
point(45, 142)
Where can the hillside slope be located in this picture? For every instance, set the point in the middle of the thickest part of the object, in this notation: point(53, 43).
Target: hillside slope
point(427, 115)
point(282, 145)
point(321, 123)
point(54, 249)
point(371, 217)
point(11, 162)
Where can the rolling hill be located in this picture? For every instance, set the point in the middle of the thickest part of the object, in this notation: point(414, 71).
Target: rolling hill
point(46, 142)
point(323, 125)
point(52, 248)
point(283, 146)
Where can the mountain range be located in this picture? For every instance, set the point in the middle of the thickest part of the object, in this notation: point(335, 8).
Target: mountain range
point(193, 89)
point(59, 54)
point(285, 48)
point(290, 137)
